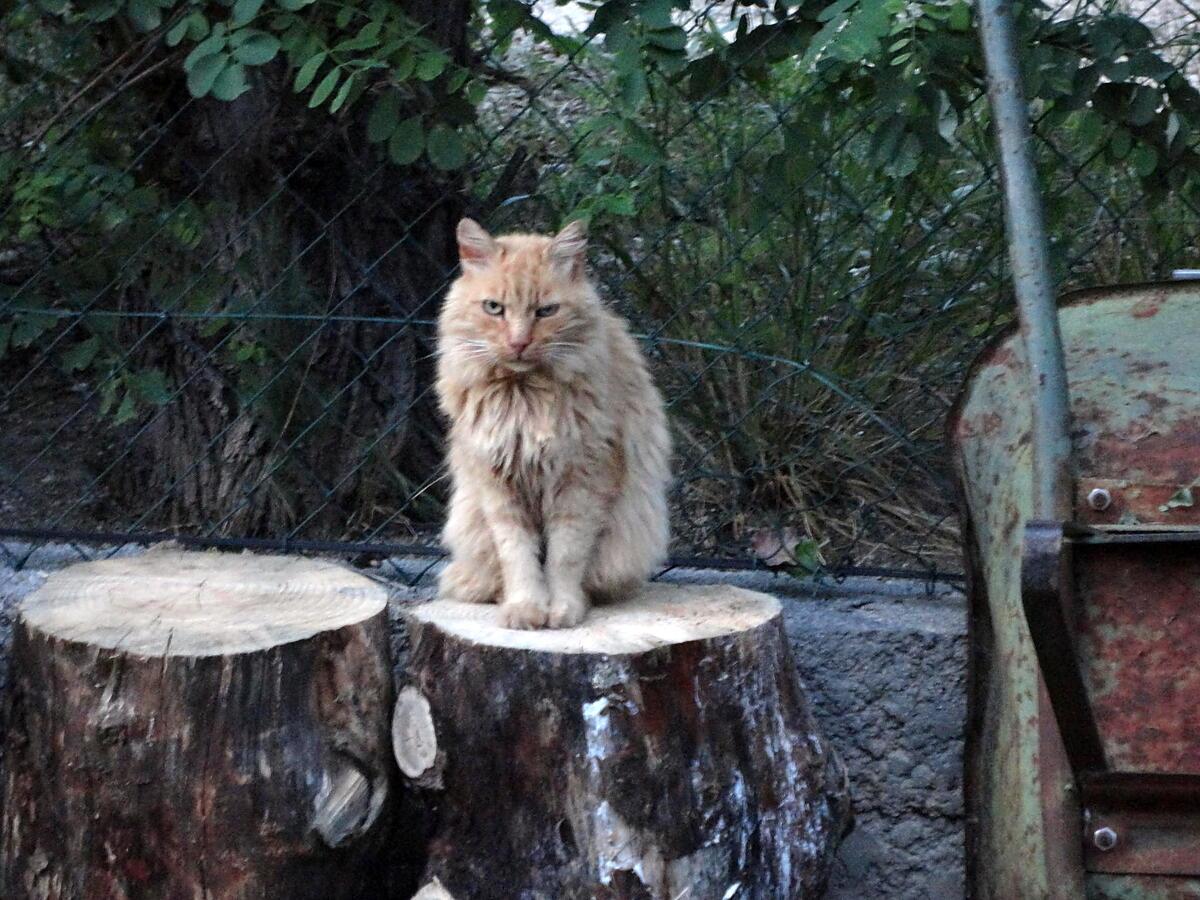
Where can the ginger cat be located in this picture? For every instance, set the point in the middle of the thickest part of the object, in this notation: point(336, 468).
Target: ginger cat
point(558, 444)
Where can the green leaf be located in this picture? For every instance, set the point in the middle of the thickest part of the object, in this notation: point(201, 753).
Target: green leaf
point(1144, 105)
point(293, 5)
point(150, 385)
point(807, 556)
point(308, 71)
point(706, 76)
point(29, 327)
point(445, 148)
point(674, 38)
point(1120, 143)
point(245, 10)
point(257, 50)
point(384, 118)
point(231, 83)
point(178, 31)
point(342, 94)
point(126, 411)
point(430, 66)
point(631, 78)
point(404, 65)
point(366, 38)
point(325, 88)
point(1144, 160)
point(1090, 129)
point(655, 14)
point(457, 80)
point(618, 204)
point(407, 142)
point(904, 162)
point(1151, 65)
point(207, 47)
point(81, 355)
point(197, 26)
point(145, 14)
point(204, 73)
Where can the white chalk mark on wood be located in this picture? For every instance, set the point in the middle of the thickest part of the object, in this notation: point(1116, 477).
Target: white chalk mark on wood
point(344, 807)
point(433, 891)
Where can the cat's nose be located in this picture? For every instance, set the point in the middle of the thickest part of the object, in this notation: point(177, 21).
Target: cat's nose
point(518, 344)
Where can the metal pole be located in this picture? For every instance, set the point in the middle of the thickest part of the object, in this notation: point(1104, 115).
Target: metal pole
point(1027, 251)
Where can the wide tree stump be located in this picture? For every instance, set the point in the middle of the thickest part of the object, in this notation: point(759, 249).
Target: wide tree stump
point(198, 725)
point(664, 749)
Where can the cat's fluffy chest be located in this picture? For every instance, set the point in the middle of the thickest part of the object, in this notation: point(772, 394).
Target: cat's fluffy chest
point(531, 426)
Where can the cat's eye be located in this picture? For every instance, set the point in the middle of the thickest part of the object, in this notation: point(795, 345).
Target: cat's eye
point(493, 307)
point(548, 310)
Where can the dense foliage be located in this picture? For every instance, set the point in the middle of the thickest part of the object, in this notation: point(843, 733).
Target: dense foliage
point(808, 184)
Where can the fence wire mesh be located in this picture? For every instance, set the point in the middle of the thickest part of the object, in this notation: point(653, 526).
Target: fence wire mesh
point(216, 315)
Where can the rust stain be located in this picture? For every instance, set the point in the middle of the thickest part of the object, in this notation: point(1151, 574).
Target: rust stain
point(1139, 636)
point(1145, 309)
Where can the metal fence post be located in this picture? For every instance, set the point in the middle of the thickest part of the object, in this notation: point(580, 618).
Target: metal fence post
point(1028, 254)
point(1050, 858)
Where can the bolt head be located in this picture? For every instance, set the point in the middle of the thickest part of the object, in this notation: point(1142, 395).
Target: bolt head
point(1099, 499)
point(1104, 838)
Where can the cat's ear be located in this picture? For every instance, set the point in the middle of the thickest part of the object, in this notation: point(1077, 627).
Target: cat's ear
point(568, 250)
point(475, 246)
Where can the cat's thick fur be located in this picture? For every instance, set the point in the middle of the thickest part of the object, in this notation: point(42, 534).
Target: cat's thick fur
point(558, 445)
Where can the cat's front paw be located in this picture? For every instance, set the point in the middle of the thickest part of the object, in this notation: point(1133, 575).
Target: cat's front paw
point(524, 612)
point(467, 584)
point(567, 609)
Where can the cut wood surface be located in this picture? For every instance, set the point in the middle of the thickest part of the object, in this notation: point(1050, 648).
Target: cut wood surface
point(663, 749)
point(199, 725)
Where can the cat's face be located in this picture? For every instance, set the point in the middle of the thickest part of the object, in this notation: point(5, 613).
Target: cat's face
point(522, 301)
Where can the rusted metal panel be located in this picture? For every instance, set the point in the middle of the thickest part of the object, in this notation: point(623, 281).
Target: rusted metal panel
point(1139, 644)
point(1135, 384)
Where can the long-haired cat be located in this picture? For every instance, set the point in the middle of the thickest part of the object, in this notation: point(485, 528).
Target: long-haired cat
point(558, 445)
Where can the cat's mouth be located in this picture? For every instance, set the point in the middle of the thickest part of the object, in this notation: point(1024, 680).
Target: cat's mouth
point(519, 363)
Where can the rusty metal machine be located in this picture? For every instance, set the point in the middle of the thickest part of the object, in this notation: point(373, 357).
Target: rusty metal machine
point(1084, 744)
point(1077, 445)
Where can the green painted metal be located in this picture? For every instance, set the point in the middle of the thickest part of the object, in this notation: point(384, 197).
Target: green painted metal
point(1132, 361)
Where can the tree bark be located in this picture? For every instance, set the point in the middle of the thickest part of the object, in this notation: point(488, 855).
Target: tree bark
point(199, 726)
point(332, 425)
point(664, 749)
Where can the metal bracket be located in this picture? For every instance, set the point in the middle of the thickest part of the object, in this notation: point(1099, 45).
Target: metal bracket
point(1048, 596)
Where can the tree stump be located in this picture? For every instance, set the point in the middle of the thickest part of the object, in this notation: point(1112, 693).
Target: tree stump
point(664, 749)
point(198, 725)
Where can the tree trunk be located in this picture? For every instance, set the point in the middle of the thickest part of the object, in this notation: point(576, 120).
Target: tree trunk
point(664, 749)
point(325, 428)
point(187, 725)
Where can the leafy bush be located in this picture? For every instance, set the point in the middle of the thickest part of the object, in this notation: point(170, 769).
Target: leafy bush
point(796, 203)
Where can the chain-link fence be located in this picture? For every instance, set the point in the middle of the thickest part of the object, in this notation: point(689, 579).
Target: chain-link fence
point(216, 314)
